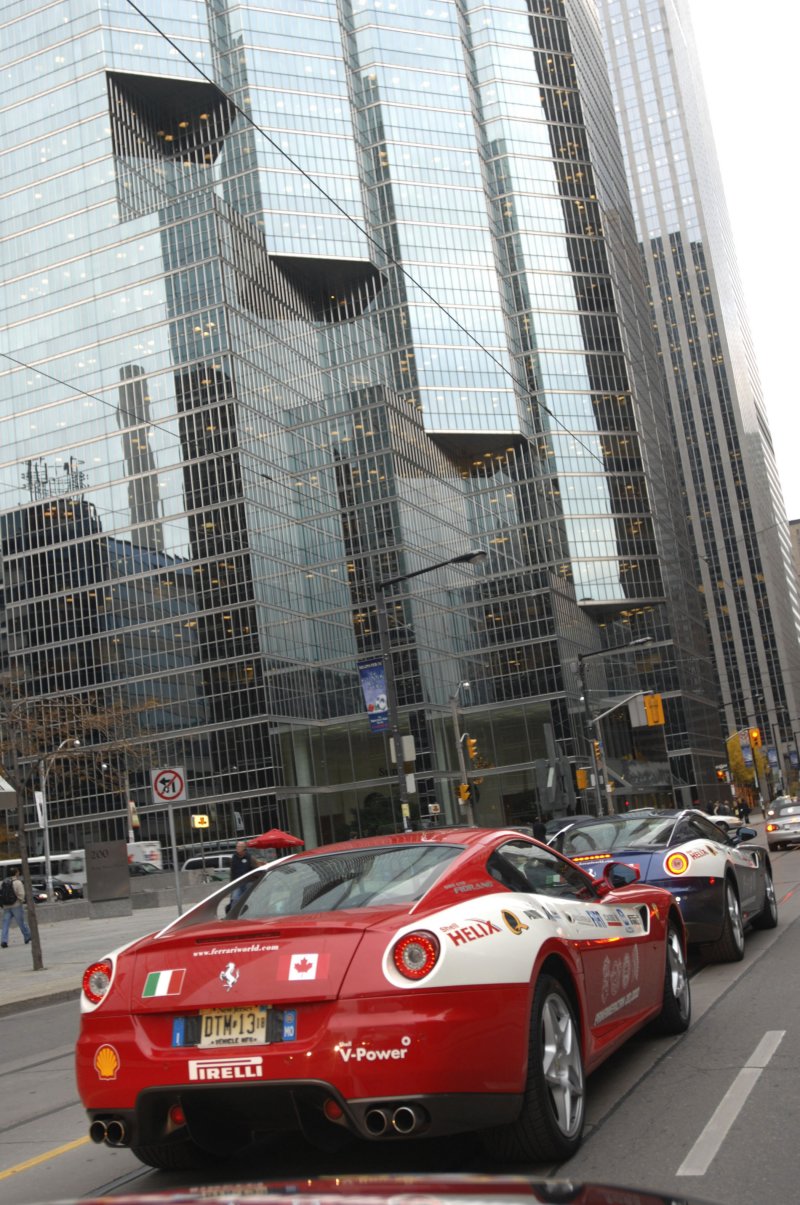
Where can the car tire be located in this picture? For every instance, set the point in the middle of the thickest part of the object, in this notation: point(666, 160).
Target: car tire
point(768, 916)
point(183, 1155)
point(676, 1006)
point(730, 945)
point(550, 1124)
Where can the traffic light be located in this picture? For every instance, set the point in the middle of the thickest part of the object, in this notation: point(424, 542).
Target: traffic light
point(654, 710)
point(722, 776)
point(472, 748)
point(463, 792)
point(581, 779)
point(598, 751)
point(755, 738)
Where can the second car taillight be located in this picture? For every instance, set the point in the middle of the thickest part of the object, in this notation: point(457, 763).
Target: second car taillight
point(97, 980)
point(416, 954)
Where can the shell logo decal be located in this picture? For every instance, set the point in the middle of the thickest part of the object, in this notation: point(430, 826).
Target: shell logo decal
point(106, 1062)
point(513, 922)
point(677, 864)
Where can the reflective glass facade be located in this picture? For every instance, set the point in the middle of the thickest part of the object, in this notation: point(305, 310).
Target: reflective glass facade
point(252, 370)
point(733, 495)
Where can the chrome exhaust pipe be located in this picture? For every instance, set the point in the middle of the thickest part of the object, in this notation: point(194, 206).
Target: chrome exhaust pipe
point(97, 1131)
point(116, 1133)
point(376, 1121)
point(405, 1119)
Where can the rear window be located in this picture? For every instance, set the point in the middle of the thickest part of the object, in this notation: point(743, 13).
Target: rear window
point(639, 832)
point(359, 878)
point(787, 809)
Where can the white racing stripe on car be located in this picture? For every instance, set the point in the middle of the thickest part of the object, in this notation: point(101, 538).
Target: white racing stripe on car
point(699, 1159)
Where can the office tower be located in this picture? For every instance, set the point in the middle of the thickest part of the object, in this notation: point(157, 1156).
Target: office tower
point(733, 494)
point(302, 306)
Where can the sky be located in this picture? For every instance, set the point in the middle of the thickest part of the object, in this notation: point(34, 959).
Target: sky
point(750, 72)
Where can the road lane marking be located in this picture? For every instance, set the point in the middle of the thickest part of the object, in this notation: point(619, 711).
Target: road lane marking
point(29, 1163)
point(705, 1149)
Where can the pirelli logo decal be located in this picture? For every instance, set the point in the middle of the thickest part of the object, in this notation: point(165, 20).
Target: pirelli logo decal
point(222, 1070)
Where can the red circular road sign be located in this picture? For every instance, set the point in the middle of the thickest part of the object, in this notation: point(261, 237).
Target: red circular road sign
point(169, 785)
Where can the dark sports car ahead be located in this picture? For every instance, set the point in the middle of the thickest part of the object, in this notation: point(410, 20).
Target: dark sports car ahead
point(721, 885)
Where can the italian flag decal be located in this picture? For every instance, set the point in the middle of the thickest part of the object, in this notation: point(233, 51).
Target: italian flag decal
point(163, 983)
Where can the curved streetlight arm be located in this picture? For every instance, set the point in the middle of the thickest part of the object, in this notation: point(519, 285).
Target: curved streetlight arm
point(464, 558)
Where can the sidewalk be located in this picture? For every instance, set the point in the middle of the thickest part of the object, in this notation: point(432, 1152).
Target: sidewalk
point(68, 947)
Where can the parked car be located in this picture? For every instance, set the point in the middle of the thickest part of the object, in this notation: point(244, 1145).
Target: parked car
point(721, 884)
point(143, 868)
point(422, 983)
point(63, 889)
point(216, 866)
point(783, 822)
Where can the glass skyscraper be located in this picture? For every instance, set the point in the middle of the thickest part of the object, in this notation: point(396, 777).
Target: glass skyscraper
point(733, 495)
point(302, 297)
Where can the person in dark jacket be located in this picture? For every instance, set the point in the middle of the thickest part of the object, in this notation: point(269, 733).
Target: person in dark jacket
point(242, 862)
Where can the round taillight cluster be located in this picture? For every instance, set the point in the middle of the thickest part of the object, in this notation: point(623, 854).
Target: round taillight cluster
point(97, 980)
point(416, 954)
point(677, 863)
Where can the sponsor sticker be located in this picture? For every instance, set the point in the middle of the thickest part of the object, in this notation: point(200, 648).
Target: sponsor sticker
point(372, 1054)
point(513, 923)
point(303, 966)
point(106, 1062)
point(163, 983)
point(460, 935)
point(221, 1070)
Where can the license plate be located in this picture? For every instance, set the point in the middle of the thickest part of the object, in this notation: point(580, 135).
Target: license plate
point(234, 1026)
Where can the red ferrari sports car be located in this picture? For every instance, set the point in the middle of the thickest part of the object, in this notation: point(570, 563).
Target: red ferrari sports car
point(419, 984)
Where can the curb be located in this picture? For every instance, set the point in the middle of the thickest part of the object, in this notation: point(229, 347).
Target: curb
point(58, 997)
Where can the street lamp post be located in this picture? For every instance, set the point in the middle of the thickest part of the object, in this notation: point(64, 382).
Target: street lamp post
point(462, 765)
point(465, 558)
point(45, 766)
point(587, 714)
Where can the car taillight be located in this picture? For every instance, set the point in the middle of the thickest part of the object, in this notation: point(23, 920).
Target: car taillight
point(416, 954)
point(771, 828)
point(677, 863)
point(97, 980)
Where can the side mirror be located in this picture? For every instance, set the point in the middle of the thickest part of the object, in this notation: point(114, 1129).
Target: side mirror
point(618, 874)
point(743, 834)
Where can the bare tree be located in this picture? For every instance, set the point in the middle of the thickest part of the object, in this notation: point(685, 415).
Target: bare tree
point(73, 737)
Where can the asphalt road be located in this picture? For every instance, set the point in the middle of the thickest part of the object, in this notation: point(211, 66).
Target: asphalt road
point(709, 1115)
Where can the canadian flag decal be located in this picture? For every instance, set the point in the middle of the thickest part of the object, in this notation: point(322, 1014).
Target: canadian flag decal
point(303, 966)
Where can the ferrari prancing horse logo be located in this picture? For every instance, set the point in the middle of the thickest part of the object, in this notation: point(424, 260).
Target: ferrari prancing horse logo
point(229, 976)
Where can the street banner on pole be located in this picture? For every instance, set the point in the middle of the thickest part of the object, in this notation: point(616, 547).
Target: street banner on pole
point(373, 685)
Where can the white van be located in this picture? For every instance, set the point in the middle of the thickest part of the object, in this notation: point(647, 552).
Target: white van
point(217, 866)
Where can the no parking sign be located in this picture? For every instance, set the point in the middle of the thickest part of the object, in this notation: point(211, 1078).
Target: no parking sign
point(169, 784)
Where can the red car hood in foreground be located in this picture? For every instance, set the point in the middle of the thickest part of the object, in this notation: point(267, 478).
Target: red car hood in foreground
point(408, 1190)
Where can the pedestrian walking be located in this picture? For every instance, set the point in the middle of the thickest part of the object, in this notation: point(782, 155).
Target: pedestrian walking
point(12, 897)
point(744, 811)
point(242, 862)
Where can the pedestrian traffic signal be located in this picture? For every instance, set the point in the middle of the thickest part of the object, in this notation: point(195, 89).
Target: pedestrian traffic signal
point(463, 792)
point(755, 738)
point(472, 748)
point(581, 779)
point(722, 776)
